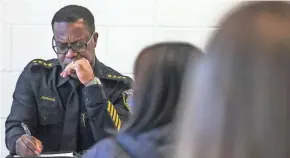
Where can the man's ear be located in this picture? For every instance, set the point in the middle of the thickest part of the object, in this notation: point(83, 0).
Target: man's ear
point(95, 36)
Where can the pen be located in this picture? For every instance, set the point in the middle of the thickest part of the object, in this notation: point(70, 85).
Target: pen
point(26, 130)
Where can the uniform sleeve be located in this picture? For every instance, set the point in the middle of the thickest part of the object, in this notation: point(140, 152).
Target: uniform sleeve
point(101, 112)
point(23, 109)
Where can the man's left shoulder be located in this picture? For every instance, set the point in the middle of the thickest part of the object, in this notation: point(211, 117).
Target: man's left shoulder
point(124, 83)
point(108, 73)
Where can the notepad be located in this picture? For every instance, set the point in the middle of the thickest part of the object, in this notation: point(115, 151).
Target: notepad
point(58, 155)
point(54, 155)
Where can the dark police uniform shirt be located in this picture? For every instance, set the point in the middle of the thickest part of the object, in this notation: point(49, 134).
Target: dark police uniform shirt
point(61, 112)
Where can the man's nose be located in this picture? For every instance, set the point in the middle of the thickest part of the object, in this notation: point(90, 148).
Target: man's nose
point(71, 53)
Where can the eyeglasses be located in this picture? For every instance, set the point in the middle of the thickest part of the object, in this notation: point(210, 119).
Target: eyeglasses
point(60, 48)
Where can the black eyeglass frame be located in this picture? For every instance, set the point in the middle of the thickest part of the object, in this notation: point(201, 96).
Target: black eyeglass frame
point(54, 46)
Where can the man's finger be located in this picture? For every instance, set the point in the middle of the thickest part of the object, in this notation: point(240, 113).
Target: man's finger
point(68, 72)
point(31, 145)
point(81, 60)
point(73, 67)
point(78, 63)
point(24, 150)
point(71, 71)
point(38, 145)
point(37, 142)
point(69, 67)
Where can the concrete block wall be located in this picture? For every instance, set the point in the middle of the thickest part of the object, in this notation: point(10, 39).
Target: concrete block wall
point(125, 27)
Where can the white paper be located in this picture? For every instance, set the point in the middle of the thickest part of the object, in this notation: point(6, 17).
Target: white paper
point(58, 155)
point(54, 155)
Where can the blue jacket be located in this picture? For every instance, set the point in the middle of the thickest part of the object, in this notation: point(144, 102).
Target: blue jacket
point(153, 144)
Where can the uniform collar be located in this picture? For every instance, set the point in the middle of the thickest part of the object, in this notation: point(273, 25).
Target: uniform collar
point(96, 69)
point(61, 80)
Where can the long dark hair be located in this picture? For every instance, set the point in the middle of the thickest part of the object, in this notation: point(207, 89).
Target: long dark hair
point(158, 73)
point(241, 105)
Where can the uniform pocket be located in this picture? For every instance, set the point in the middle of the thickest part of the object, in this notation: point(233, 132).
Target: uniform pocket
point(49, 113)
point(50, 116)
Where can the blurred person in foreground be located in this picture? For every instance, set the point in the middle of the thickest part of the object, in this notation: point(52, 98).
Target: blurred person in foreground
point(241, 102)
point(158, 73)
point(68, 102)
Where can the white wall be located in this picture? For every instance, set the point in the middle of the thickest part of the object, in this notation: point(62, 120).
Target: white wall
point(125, 26)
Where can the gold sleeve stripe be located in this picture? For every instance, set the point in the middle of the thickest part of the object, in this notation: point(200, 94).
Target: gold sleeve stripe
point(119, 122)
point(109, 107)
point(114, 115)
point(112, 110)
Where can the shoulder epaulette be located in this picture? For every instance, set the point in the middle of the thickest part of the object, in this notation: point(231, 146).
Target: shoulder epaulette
point(115, 77)
point(111, 74)
point(41, 62)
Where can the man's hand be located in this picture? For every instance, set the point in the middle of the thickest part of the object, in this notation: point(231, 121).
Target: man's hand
point(27, 147)
point(83, 70)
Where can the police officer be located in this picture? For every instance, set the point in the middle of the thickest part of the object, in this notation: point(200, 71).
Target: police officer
point(67, 103)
